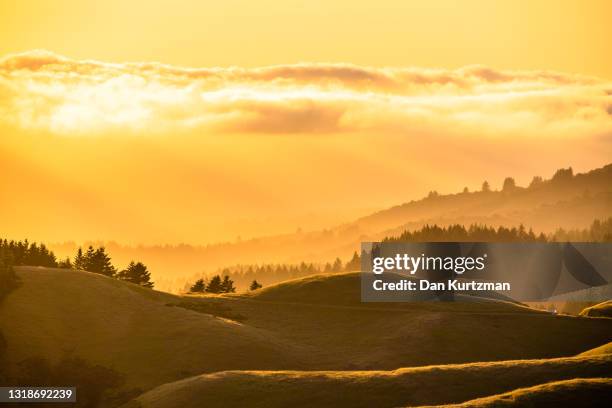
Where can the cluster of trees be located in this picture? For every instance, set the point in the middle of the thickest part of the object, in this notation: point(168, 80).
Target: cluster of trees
point(96, 260)
point(474, 233)
point(26, 253)
point(15, 253)
point(214, 285)
point(251, 276)
point(93, 260)
point(561, 176)
point(599, 231)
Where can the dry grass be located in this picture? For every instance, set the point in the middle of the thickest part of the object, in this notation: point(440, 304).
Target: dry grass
point(603, 309)
point(315, 323)
point(605, 349)
point(579, 392)
point(127, 328)
point(408, 386)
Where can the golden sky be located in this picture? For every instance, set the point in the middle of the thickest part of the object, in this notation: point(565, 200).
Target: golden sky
point(569, 36)
point(200, 121)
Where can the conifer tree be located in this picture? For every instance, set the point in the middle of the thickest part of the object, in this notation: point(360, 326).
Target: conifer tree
point(79, 260)
point(215, 285)
point(198, 286)
point(227, 286)
point(137, 273)
point(255, 285)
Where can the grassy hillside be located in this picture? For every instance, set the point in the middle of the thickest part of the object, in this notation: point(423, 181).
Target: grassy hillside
point(324, 314)
point(603, 309)
point(604, 349)
point(314, 323)
point(406, 386)
point(55, 313)
point(579, 392)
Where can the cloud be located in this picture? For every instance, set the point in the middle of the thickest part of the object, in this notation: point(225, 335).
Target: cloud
point(46, 91)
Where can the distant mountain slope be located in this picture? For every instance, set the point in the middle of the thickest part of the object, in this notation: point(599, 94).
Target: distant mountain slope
point(566, 200)
point(406, 386)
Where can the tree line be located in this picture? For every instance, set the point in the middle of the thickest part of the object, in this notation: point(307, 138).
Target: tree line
point(473, 233)
point(214, 285)
point(251, 275)
point(599, 231)
point(96, 260)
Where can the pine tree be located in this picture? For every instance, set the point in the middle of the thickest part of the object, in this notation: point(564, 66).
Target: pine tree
point(227, 286)
point(255, 285)
point(509, 184)
point(98, 261)
point(136, 273)
point(79, 260)
point(198, 286)
point(354, 264)
point(215, 285)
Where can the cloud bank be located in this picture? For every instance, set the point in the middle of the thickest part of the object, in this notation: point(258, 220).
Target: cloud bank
point(40, 90)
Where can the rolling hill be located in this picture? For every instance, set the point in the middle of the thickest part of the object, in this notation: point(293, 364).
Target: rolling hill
point(407, 386)
point(579, 392)
point(309, 324)
point(129, 329)
point(603, 309)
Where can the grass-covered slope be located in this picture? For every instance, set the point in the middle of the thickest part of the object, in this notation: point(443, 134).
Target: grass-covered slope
point(576, 393)
point(604, 349)
point(323, 313)
point(315, 323)
point(603, 309)
point(55, 313)
point(404, 387)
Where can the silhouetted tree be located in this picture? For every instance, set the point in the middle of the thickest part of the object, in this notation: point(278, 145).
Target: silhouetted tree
point(536, 181)
point(227, 286)
point(509, 184)
point(79, 259)
point(198, 286)
point(214, 285)
point(24, 253)
point(337, 266)
point(136, 273)
point(98, 261)
point(255, 285)
point(354, 264)
point(486, 187)
point(465, 190)
point(563, 175)
point(475, 233)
